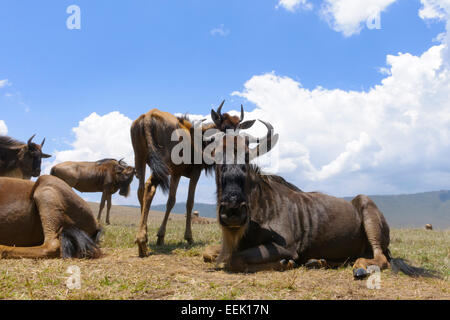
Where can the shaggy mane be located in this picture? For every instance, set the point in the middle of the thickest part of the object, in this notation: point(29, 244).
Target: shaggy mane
point(268, 178)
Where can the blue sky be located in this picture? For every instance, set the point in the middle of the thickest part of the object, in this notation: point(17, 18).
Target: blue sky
point(130, 56)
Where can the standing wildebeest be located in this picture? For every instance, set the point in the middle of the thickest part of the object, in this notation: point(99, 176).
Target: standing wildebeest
point(269, 223)
point(106, 176)
point(45, 219)
point(20, 160)
point(151, 136)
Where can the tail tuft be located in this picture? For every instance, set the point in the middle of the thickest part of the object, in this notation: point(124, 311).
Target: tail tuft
point(75, 243)
point(160, 172)
point(398, 264)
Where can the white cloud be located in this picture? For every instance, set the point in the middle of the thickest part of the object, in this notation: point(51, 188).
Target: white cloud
point(4, 83)
point(434, 9)
point(220, 31)
point(350, 16)
point(393, 138)
point(3, 128)
point(98, 137)
point(292, 5)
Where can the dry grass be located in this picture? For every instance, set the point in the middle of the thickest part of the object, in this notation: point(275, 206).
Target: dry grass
point(176, 270)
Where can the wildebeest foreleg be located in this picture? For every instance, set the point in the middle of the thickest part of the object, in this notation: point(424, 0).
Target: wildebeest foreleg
point(141, 237)
point(174, 180)
point(108, 207)
point(102, 205)
point(189, 205)
point(377, 232)
point(50, 249)
point(51, 225)
point(263, 257)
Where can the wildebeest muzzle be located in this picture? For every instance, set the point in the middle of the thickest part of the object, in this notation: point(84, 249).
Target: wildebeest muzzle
point(233, 216)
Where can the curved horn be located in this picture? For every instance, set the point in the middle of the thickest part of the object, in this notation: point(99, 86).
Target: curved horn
point(242, 113)
point(219, 109)
point(269, 141)
point(42, 143)
point(31, 139)
point(122, 163)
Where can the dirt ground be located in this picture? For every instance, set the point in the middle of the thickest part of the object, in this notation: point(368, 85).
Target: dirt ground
point(177, 271)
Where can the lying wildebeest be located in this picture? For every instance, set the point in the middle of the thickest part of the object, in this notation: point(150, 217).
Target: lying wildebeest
point(20, 160)
point(106, 176)
point(45, 219)
point(269, 223)
point(428, 227)
point(151, 136)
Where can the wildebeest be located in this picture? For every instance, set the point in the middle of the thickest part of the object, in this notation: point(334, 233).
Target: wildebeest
point(428, 227)
point(106, 176)
point(20, 160)
point(269, 223)
point(151, 137)
point(45, 219)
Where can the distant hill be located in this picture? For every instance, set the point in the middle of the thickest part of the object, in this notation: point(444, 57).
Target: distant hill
point(410, 210)
point(416, 210)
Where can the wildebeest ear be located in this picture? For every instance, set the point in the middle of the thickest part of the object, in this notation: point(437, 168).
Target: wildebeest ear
point(45, 156)
point(247, 124)
point(216, 118)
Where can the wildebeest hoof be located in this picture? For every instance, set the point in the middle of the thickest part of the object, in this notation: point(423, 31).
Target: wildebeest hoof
point(288, 264)
point(211, 253)
point(143, 252)
point(316, 264)
point(360, 273)
point(312, 264)
point(142, 246)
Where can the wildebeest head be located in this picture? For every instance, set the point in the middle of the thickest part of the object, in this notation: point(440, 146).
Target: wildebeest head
point(225, 121)
point(124, 177)
point(30, 158)
point(233, 179)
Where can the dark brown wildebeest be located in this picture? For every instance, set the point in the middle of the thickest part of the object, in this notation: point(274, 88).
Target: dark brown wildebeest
point(106, 176)
point(20, 160)
point(151, 135)
point(428, 227)
point(269, 223)
point(45, 219)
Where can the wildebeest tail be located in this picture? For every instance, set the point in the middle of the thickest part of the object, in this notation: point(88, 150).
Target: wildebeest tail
point(75, 243)
point(160, 171)
point(398, 264)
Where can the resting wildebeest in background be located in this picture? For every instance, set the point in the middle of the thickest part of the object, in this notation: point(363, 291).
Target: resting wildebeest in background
point(45, 219)
point(20, 160)
point(269, 223)
point(428, 227)
point(151, 136)
point(106, 176)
